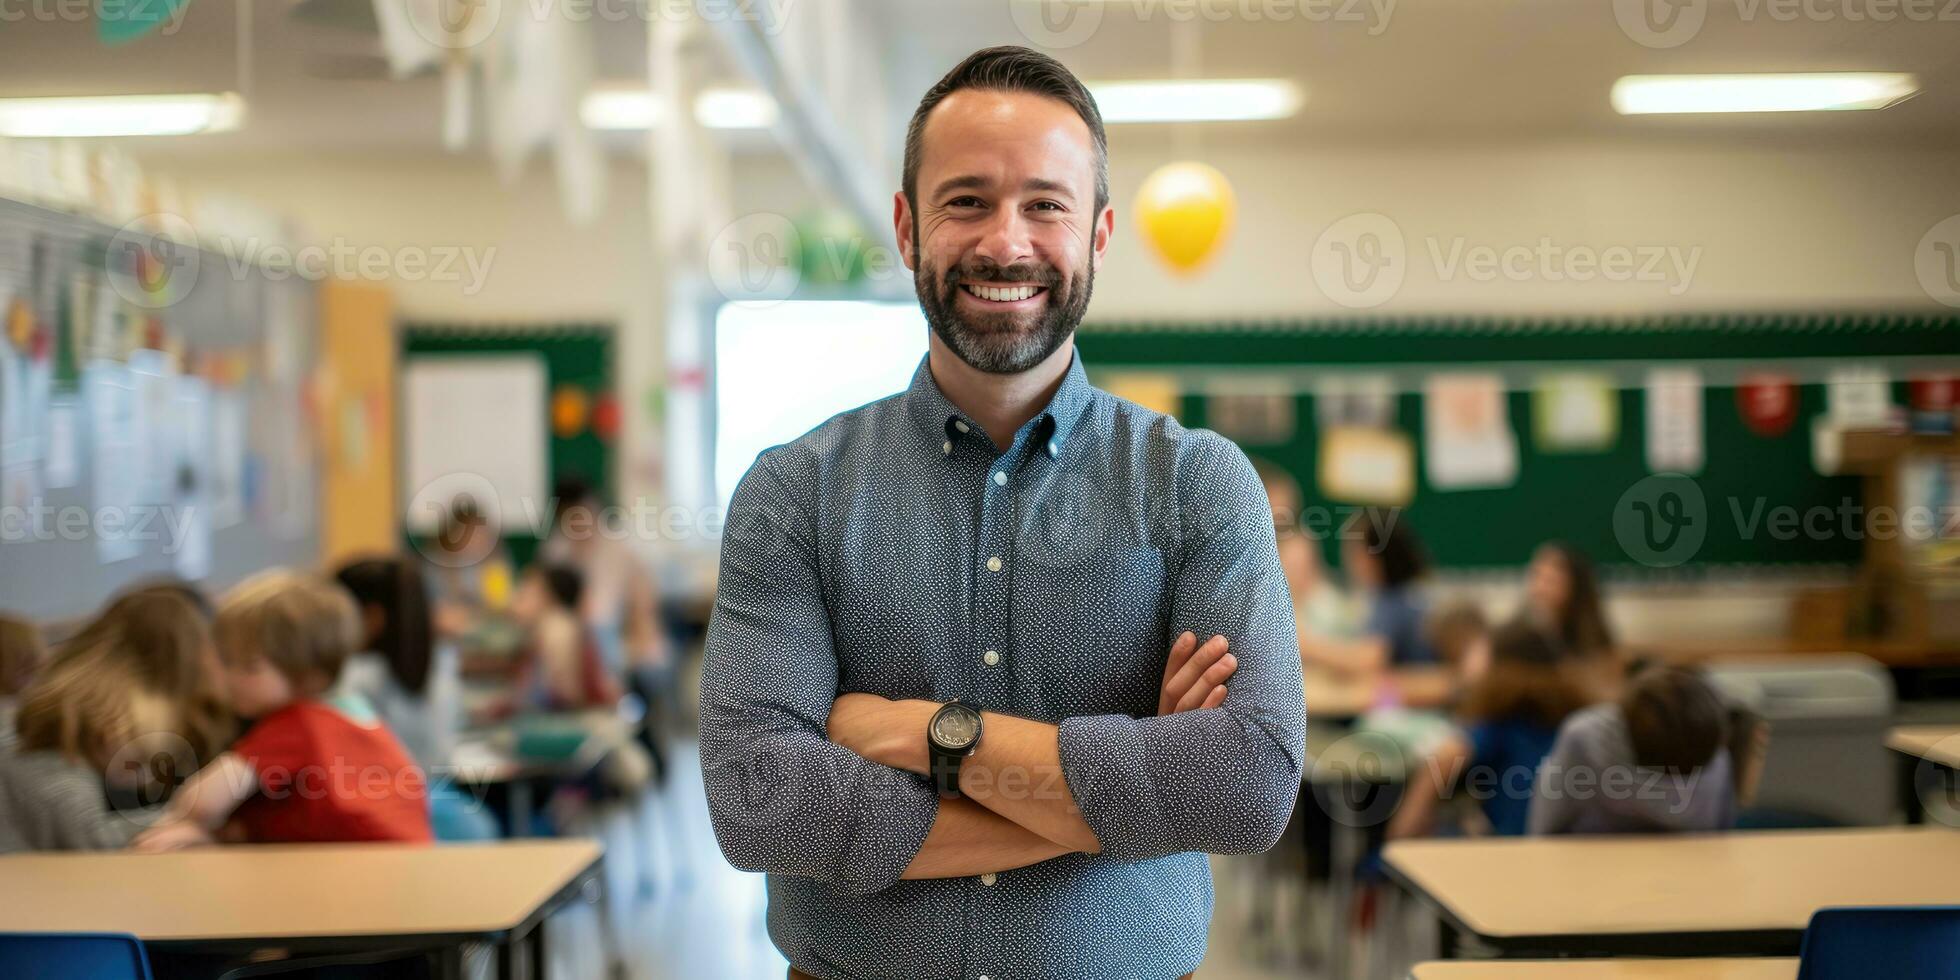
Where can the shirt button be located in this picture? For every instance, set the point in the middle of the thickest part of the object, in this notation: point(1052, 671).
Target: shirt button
point(992, 657)
point(962, 426)
point(993, 564)
point(946, 447)
point(1053, 450)
point(1000, 478)
point(987, 879)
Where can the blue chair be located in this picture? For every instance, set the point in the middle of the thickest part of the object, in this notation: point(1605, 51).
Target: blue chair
point(60, 956)
point(1902, 943)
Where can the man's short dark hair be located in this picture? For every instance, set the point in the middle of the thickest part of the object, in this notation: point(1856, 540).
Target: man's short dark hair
point(1009, 68)
point(1675, 719)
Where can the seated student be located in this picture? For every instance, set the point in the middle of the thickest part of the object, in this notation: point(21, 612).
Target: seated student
point(21, 653)
point(1562, 598)
point(1383, 560)
point(1460, 635)
point(90, 716)
point(1655, 761)
point(1319, 608)
point(166, 628)
point(1509, 717)
point(562, 669)
point(309, 768)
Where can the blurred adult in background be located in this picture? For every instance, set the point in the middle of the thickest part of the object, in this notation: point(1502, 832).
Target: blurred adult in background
point(1562, 599)
point(1319, 607)
point(1384, 562)
point(620, 602)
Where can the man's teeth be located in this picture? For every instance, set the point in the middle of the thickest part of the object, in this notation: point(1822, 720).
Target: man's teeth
point(1004, 294)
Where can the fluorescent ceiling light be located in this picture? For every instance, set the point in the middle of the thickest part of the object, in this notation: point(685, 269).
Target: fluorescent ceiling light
point(122, 115)
point(1197, 100)
point(1803, 92)
point(715, 108)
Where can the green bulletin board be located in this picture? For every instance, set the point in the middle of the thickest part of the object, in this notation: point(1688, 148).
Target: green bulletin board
point(1564, 495)
point(575, 354)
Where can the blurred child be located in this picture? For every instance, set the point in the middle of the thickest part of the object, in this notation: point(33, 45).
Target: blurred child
point(1510, 716)
point(166, 628)
point(1460, 635)
point(562, 669)
point(1655, 761)
point(90, 717)
point(1562, 598)
point(1319, 608)
point(21, 653)
point(310, 768)
point(1385, 562)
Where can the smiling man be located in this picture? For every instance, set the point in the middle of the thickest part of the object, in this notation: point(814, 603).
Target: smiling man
point(954, 700)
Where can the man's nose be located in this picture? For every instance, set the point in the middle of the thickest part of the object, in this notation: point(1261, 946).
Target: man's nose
point(1005, 240)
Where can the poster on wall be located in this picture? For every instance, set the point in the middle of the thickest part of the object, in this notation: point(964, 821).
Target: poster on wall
point(109, 397)
point(1367, 465)
point(1468, 443)
point(1675, 432)
point(1363, 399)
point(1767, 401)
point(191, 486)
point(1576, 412)
point(63, 465)
point(154, 380)
point(1252, 411)
point(228, 427)
point(1858, 396)
point(1157, 392)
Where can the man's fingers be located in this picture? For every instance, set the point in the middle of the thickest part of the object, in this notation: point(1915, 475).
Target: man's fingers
point(1181, 650)
point(1215, 698)
point(1213, 678)
point(1196, 666)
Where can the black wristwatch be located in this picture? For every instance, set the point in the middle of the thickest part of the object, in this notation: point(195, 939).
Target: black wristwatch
point(951, 736)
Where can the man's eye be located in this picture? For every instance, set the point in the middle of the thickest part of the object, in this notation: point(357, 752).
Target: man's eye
point(964, 202)
point(1047, 206)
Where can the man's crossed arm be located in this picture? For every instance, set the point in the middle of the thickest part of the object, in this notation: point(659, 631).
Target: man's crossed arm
point(1015, 807)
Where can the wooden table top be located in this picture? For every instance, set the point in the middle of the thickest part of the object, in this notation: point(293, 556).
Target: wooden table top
point(291, 892)
point(1740, 882)
point(1724, 968)
point(1934, 743)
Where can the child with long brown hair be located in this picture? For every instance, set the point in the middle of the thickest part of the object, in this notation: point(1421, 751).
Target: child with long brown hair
point(21, 653)
point(1508, 720)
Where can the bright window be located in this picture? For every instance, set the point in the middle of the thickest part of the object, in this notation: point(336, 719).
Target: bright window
point(781, 370)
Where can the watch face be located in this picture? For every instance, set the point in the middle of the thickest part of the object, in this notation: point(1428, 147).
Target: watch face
point(956, 727)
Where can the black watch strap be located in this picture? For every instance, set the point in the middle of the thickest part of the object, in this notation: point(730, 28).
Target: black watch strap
point(946, 771)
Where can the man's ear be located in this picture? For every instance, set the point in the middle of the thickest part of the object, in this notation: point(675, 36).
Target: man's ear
point(1105, 230)
point(902, 229)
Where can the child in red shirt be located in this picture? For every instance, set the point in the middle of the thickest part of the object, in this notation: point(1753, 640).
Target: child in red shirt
point(310, 769)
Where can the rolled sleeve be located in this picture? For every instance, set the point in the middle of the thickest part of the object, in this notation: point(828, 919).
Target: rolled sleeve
point(782, 797)
point(1221, 780)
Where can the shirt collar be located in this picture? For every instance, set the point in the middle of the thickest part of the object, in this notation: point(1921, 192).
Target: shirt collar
point(938, 419)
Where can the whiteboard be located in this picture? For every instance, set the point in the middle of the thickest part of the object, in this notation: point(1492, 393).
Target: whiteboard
point(475, 424)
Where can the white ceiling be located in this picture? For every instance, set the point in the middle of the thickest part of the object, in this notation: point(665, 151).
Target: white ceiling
point(1435, 71)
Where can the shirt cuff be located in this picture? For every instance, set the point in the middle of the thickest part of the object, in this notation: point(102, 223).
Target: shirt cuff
point(1105, 762)
point(891, 828)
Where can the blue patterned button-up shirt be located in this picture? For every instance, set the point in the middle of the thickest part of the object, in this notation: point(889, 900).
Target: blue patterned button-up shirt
point(894, 550)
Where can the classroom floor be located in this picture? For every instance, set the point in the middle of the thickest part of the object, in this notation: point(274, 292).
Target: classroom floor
point(704, 919)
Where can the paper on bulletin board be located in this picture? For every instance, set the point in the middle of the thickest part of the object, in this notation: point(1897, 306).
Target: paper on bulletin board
point(62, 467)
point(1157, 392)
point(228, 427)
point(192, 403)
point(1354, 399)
point(24, 394)
point(153, 377)
point(473, 424)
point(109, 397)
point(1252, 411)
point(1576, 412)
point(1675, 432)
point(1467, 438)
point(1367, 465)
point(1858, 396)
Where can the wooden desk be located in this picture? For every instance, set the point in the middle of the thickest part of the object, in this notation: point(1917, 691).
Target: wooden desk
point(1937, 744)
point(1743, 893)
point(312, 899)
point(1733, 968)
point(1334, 696)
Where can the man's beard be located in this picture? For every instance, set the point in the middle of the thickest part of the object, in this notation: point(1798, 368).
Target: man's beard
point(996, 342)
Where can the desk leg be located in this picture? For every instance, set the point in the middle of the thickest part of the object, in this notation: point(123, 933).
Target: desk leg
point(520, 808)
point(1446, 938)
point(537, 949)
point(507, 958)
point(449, 963)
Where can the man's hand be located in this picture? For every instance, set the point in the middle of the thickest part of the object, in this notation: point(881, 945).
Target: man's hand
point(1194, 676)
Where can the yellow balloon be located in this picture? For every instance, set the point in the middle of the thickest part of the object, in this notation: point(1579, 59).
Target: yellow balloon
point(1185, 210)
